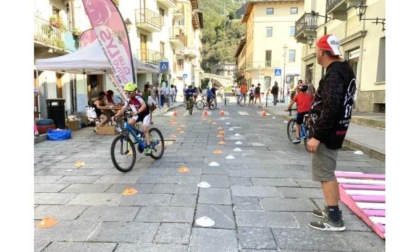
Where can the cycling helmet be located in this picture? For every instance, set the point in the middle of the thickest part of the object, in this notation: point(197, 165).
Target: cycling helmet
point(130, 86)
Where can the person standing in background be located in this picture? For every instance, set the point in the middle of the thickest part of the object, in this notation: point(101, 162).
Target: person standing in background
point(251, 95)
point(311, 88)
point(244, 91)
point(238, 95)
point(258, 93)
point(213, 91)
point(275, 93)
point(172, 94)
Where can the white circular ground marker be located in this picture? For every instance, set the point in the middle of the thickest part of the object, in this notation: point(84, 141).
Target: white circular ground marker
point(204, 221)
point(203, 184)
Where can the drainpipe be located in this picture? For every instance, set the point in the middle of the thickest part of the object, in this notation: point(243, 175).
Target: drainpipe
point(359, 70)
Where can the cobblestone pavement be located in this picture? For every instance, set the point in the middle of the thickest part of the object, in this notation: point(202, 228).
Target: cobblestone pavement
point(260, 196)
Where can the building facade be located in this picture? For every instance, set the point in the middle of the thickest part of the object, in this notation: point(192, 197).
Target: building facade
point(360, 25)
point(159, 31)
point(225, 69)
point(269, 52)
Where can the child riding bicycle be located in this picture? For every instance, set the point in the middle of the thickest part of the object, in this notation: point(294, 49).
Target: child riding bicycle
point(189, 93)
point(304, 102)
point(140, 112)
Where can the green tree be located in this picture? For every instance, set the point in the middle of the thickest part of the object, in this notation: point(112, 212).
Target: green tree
point(221, 32)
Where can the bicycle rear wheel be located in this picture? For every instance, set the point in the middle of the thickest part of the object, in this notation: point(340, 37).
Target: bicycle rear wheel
point(123, 153)
point(291, 131)
point(156, 143)
point(212, 105)
point(199, 105)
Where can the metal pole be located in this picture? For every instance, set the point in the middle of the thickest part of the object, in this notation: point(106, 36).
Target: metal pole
point(325, 30)
point(284, 77)
point(284, 68)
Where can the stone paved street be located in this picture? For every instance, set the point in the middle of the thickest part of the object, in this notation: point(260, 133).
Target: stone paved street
point(260, 198)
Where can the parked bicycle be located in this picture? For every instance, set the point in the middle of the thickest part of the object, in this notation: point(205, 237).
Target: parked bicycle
point(304, 129)
point(203, 103)
point(123, 147)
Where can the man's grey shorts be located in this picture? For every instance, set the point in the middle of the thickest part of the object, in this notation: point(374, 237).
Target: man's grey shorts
point(324, 163)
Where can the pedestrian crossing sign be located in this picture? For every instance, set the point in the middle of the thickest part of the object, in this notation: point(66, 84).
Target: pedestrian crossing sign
point(277, 72)
point(164, 67)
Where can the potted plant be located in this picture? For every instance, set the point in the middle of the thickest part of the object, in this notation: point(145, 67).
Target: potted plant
point(76, 32)
point(53, 21)
point(57, 23)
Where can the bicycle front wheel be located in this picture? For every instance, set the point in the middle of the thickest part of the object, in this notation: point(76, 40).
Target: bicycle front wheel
point(199, 105)
point(156, 143)
point(123, 153)
point(291, 130)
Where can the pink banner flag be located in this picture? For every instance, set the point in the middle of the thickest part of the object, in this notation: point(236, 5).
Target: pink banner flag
point(87, 37)
point(112, 35)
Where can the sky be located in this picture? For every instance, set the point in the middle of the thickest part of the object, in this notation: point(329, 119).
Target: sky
point(16, 185)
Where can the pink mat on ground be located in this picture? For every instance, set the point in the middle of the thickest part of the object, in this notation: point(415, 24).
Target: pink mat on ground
point(362, 194)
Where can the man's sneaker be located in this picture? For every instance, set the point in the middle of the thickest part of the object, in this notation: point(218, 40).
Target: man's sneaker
point(95, 129)
point(322, 213)
point(296, 141)
point(326, 224)
point(148, 151)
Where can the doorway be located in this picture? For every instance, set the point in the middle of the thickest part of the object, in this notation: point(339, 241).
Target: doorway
point(95, 85)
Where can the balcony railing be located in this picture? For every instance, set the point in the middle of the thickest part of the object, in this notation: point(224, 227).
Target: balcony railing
point(306, 26)
point(148, 20)
point(149, 56)
point(177, 37)
point(179, 14)
point(47, 34)
point(167, 3)
point(337, 9)
point(190, 52)
point(333, 3)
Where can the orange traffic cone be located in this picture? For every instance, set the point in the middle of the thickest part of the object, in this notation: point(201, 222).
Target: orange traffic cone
point(175, 113)
point(222, 112)
point(205, 113)
point(264, 113)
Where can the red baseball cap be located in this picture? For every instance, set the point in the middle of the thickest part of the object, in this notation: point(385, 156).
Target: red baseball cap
point(329, 43)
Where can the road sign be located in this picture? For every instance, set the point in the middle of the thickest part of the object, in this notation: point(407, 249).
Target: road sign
point(277, 72)
point(164, 67)
point(184, 76)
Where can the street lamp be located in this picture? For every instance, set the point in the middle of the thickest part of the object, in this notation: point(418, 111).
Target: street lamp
point(361, 11)
point(128, 24)
point(284, 70)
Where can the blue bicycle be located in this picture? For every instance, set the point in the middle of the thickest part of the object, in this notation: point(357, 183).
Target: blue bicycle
point(123, 149)
point(304, 129)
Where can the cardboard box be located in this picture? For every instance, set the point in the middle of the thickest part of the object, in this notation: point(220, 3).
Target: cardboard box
point(107, 130)
point(85, 120)
point(73, 125)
